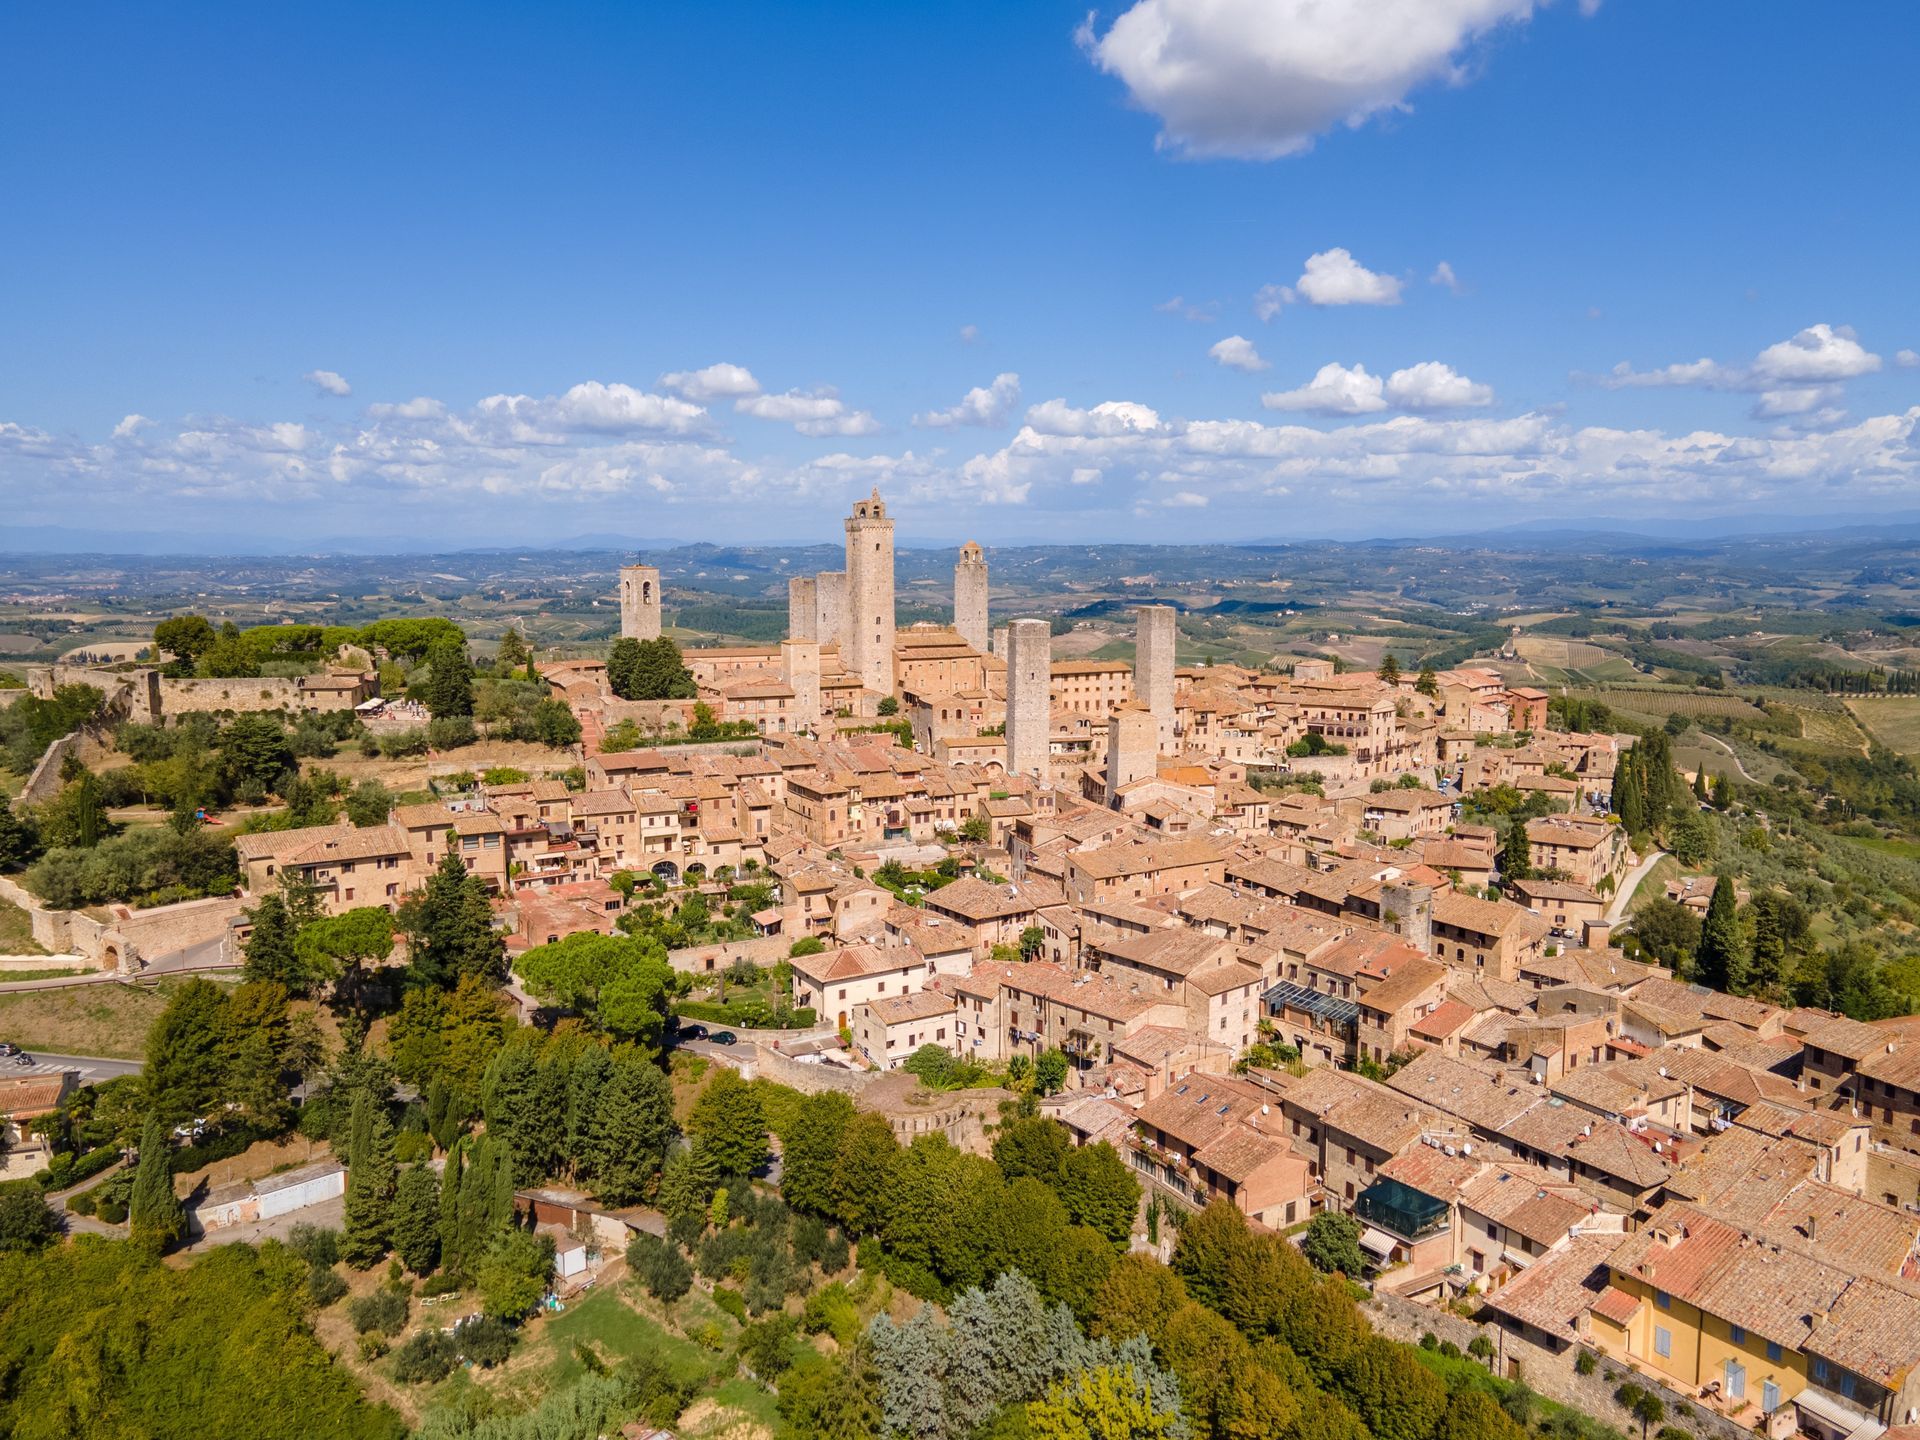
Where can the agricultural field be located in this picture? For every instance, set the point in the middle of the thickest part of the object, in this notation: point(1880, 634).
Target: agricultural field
point(1893, 720)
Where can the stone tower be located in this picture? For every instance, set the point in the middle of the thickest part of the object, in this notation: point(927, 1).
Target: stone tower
point(1407, 910)
point(1153, 640)
point(1029, 702)
point(830, 610)
point(970, 596)
point(867, 649)
point(803, 608)
point(1133, 745)
point(800, 668)
point(639, 602)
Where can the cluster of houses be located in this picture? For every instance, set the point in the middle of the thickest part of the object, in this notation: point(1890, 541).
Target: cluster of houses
point(1296, 1000)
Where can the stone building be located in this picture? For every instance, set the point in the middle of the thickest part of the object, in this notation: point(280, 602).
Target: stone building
point(868, 643)
point(639, 602)
point(1029, 683)
point(970, 596)
point(1153, 662)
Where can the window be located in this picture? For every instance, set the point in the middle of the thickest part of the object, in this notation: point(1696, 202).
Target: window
point(1736, 1380)
point(1662, 1342)
point(1663, 1300)
point(1769, 1398)
point(1819, 1371)
point(1739, 1334)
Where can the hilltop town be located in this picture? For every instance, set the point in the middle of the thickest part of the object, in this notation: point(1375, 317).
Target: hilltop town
point(1395, 966)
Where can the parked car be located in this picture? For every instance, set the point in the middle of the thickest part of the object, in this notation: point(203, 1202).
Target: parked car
point(724, 1037)
point(688, 1030)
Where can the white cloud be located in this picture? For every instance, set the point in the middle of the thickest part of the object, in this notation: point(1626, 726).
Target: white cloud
point(1261, 79)
point(982, 405)
point(1906, 359)
point(421, 407)
point(1332, 277)
point(1817, 353)
point(969, 334)
point(1185, 500)
point(1334, 390)
point(1113, 417)
point(1431, 385)
point(720, 381)
point(618, 409)
point(1796, 400)
point(811, 412)
point(1708, 373)
point(328, 382)
point(1200, 312)
point(1268, 300)
point(1236, 352)
point(1443, 275)
point(130, 426)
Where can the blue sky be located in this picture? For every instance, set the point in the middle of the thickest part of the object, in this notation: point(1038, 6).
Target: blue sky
point(516, 237)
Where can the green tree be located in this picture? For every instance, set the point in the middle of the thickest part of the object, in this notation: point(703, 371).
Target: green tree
point(1389, 671)
point(367, 1227)
point(270, 951)
point(662, 674)
point(1667, 931)
point(1429, 683)
point(255, 752)
point(1107, 1402)
point(1099, 1191)
point(729, 1124)
point(554, 724)
point(449, 928)
point(369, 804)
point(887, 707)
point(185, 637)
point(1516, 855)
point(1050, 1071)
point(1722, 961)
point(514, 1273)
point(1332, 1242)
point(624, 663)
point(182, 1073)
point(338, 948)
point(864, 1178)
point(155, 1216)
point(449, 683)
point(416, 1219)
point(513, 653)
point(1722, 793)
point(1032, 1145)
point(19, 839)
point(621, 983)
point(627, 1135)
point(1033, 940)
point(26, 1223)
point(810, 1151)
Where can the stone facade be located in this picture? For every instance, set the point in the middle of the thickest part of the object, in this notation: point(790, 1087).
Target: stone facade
point(639, 602)
point(1029, 709)
point(800, 669)
point(1153, 664)
point(868, 645)
point(830, 616)
point(1132, 749)
point(803, 608)
point(970, 596)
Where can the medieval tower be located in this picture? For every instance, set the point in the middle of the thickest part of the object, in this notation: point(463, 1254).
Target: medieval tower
point(1153, 642)
point(639, 602)
point(1029, 698)
point(866, 647)
point(970, 596)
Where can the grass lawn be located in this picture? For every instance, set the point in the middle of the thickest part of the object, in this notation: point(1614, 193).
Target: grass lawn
point(16, 931)
point(1894, 720)
point(1653, 884)
point(606, 1324)
point(1901, 849)
point(105, 1020)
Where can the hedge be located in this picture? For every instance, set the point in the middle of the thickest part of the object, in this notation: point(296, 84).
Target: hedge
point(65, 1171)
point(748, 1014)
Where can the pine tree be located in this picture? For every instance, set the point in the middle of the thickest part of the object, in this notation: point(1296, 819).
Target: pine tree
point(154, 1212)
point(1629, 800)
point(270, 954)
point(1429, 683)
point(1722, 793)
point(1722, 960)
point(513, 650)
point(1516, 856)
point(416, 1219)
point(449, 926)
point(366, 1229)
point(449, 688)
point(1389, 671)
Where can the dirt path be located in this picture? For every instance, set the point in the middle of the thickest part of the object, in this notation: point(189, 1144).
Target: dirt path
point(1751, 780)
point(1631, 884)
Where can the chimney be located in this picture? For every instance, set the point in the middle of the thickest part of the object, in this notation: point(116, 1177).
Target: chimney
point(1811, 1222)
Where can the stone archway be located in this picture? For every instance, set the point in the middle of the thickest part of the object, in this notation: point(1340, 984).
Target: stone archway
point(667, 871)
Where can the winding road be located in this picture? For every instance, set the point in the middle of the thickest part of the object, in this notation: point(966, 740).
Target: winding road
point(1630, 884)
point(1751, 780)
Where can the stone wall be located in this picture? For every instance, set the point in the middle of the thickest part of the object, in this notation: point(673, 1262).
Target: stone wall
point(807, 1079)
point(119, 938)
point(44, 783)
point(1552, 1375)
point(765, 951)
point(255, 693)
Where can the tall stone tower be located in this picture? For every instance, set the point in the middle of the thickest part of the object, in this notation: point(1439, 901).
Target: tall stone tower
point(970, 596)
point(830, 610)
point(803, 608)
point(1153, 640)
point(1133, 745)
point(639, 602)
point(867, 650)
point(800, 668)
point(1029, 704)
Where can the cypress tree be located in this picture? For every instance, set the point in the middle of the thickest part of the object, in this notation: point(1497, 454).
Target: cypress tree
point(366, 1229)
point(1723, 958)
point(1516, 856)
point(153, 1210)
point(416, 1219)
point(450, 1182)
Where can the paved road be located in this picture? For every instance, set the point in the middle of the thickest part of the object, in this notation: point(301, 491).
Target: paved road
point(1629, 885)
point(92, 1068)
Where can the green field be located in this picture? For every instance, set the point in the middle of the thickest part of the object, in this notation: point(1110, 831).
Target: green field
point(1893, 720)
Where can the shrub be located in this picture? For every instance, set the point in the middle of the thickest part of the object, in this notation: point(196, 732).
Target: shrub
point(410, 1147)
point(835, 1254)
point(383, 1310)
point(314, 1245)
point(324, 1285)
point(659, 1266)
point(1428, 1341)
point(486, 1342)
point(425, 1359)
point(81, 1204)
point(112, 1209)
point(1449, 1349)
point(1584, 1364)
point(441, 1284)
point(731, 1301)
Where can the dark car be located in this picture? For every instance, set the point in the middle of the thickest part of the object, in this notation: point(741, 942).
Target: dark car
point(690, 1031)
point(724, 1037)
